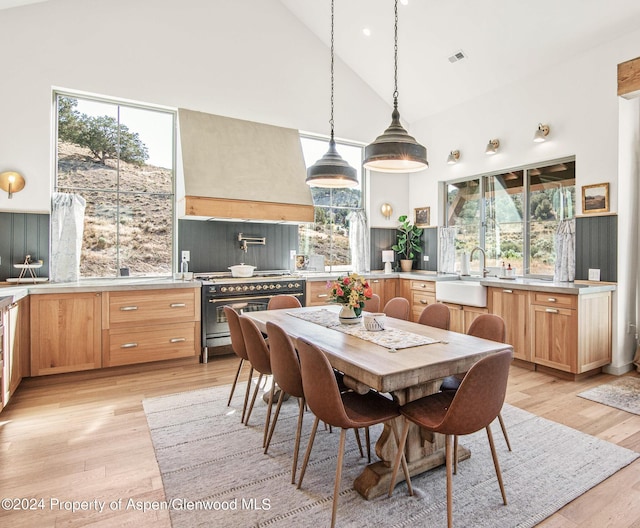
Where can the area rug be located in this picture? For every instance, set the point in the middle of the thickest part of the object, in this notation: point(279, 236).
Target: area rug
point(622, 393)
point(216, 474)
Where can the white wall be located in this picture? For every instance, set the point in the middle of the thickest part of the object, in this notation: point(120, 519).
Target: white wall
point(248, 59)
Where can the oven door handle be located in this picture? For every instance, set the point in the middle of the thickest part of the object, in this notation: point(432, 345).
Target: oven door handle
point(249, 298)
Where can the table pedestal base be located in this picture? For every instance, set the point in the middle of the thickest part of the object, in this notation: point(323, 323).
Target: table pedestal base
point(374, 481)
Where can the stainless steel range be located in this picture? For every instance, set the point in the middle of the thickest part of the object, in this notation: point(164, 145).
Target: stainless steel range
point(243, 295)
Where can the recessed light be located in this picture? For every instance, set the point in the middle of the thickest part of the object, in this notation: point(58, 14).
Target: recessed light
point(366, 32)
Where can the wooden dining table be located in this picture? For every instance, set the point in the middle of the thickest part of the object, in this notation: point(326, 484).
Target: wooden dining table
point(405, 373)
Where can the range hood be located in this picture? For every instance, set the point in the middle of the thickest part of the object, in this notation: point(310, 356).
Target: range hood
point(241, 170)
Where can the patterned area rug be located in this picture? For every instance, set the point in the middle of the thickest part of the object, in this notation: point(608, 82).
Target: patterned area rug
point(216, 474)
point(622, 393)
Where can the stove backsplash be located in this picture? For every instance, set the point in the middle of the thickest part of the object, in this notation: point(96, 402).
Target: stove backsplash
point(214, 245)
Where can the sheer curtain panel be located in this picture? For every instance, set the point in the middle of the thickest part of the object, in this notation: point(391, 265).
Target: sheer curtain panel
point(67, 224)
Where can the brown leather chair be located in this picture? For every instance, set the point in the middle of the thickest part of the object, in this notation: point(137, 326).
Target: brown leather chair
point(436, 315)
point(472, 407)
point(485, 326)
point(258, 353)
point(398, 307)
point(286, 373)
point(279, 302)
point(373, 304)
point(347, 410)
point(238, 347)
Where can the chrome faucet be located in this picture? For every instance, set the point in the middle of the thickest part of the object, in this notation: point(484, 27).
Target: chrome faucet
point(483, 268)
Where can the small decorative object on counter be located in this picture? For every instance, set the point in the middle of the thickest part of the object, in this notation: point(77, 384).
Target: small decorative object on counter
point(351, 292)
point(29, 265)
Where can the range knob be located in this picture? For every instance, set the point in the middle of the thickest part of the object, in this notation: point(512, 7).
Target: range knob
point(245, 288)
point(271, 286)
point(278, 286)
point(297, 285)
point(223, 289)
point(259, 287)
point(252, 287)
point(289, 285)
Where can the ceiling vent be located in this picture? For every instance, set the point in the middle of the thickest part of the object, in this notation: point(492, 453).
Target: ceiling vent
point(457, 56)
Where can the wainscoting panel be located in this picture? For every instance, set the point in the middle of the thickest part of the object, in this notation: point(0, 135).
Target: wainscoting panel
point(597, 246)
point(23, 234)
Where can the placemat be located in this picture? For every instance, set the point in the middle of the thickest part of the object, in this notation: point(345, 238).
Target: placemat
point(391, 338)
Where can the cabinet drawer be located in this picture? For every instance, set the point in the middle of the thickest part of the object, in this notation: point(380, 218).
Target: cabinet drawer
point(554, 299)
point(423, 285)
point(317, 293)
point(151, 343)
point(152, 306)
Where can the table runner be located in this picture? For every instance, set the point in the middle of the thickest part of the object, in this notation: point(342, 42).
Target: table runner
point(391, 338)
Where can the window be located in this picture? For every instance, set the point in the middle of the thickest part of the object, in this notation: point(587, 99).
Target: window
point(513, 215)
point(120, 159)
point(328, 236)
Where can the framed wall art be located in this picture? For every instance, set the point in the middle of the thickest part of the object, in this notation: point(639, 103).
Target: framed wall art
point(422, 216)
point(595, 198)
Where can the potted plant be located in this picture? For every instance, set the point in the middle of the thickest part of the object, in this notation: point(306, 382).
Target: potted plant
point(407, 243)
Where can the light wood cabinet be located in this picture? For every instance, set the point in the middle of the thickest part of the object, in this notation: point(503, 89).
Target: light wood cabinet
point(461, 316)
point(18, 348)
point(420, 293)
point(513, 306)
point(317, 293)
point(150, 325)
point(385, 288)
point(65, 332)
point(571, 333)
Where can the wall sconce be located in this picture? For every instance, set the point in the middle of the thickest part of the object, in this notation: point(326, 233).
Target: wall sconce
point(541, 134)
point(388, 257)
point(453, 158)
point(386, 210)
point(492, 147)
point(11, 182)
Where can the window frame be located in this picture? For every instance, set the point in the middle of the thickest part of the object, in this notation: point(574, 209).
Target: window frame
point(119, 102)
point(362, 181)
point(526, 203)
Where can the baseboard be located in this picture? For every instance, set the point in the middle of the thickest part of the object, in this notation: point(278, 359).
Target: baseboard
point(618, 371)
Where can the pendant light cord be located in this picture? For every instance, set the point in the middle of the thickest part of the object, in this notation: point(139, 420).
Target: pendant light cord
point(331, 120)
point(395, 56)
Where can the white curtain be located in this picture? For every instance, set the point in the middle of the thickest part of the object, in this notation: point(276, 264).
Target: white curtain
point(565, 269)
point(447, 249)
point(359, 241)
point(67, 223)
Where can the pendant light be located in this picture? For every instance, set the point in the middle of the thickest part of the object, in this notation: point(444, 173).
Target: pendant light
point(395, 150)
point(331, 170)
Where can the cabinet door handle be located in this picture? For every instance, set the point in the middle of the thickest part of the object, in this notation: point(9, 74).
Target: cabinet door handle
point(507, 291)
point(323, 295)
point(129, 345)
point(128, 308)
point(376, 281)
point(423, 285)
point(424, 301)
point(551, 310)
point(178, 340)
point(552, 299)
point(178, 305)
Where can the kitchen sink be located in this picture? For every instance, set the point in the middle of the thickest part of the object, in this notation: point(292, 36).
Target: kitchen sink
point(467, 292)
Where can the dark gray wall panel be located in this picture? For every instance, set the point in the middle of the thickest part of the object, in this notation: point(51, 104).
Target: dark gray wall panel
point(23, 234)
point(597, 247)
point(214, 245)
point(380, 239)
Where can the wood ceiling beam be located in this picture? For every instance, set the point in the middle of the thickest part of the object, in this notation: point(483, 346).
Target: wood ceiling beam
point(629, 78)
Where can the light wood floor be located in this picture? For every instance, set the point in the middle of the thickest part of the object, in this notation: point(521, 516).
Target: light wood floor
point(74, 437)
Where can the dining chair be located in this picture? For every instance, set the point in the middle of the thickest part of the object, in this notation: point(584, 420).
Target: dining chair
point(372, 305)
point(258, 353)
point(240, 350)
point(286, 373)
point(347, 410)
point(436, 315)
point(279, 302)
point(485, 326)
point(398, 307)
point(472, 407)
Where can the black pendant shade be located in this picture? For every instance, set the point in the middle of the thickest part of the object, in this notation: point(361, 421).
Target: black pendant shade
point(395, 150)
point(331, 171)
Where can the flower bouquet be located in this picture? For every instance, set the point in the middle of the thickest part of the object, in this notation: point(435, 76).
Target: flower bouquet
point(351, 292)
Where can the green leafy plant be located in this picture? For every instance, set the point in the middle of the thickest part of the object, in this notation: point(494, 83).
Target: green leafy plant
point(408, 240)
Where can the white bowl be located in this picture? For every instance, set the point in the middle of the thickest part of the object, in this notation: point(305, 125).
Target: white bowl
point(242, 270)
point(374, 322)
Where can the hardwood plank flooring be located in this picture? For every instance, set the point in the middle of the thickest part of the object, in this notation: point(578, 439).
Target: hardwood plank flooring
point(78, 437)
